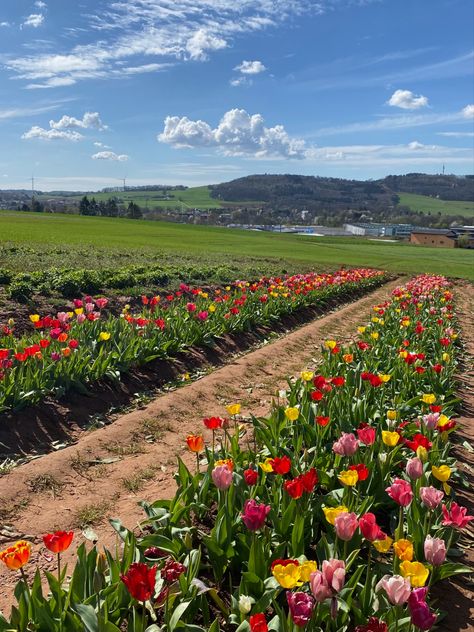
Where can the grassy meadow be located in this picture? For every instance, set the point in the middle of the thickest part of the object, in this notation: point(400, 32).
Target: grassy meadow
point(427, 204)
point(56, 240)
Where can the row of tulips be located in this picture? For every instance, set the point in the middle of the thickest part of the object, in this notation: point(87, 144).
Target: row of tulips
point(76, 348)
point(336, 513)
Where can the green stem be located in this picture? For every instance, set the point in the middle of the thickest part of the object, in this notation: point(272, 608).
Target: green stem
point(60, 595)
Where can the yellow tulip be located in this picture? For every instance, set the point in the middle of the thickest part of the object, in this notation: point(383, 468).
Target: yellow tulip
point(383, 546)
point(391, 414)
point(446, 357)
point(78, 311)
point(348, 477)
point(390, 438)
point(422, 453)
point(266, 466)
point(233, 409)
point(442, 473)
point(34, 318)
point(306, 568)
point(361, 330)
point(211, 308)
point(292, 413)
point(288, 576)
point(331, 513)
point(330, 344)
point(443, 420)
point(403, 549)
point(104, 335)
point(428, 398)
point(375, 335)
point(307, 375)
point(385, 377)
point(416, 572)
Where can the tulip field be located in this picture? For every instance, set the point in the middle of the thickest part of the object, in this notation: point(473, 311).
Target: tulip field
point(74, 349)
point(336, 512)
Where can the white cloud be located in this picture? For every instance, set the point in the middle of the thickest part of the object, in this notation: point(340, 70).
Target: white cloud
point(468, 111)
point(34, 20)
point(4, 24)
point(54, 82)
point(240, 81)
point(102, 145)
point(51, 134)
point(406, 100)
point(163, 31)
point(456, 134)
point(238, 133)
point(40, 4)
point(90, 120)
point(416, 146)
point(250, 67)
point(202, 42)
point(110, 155)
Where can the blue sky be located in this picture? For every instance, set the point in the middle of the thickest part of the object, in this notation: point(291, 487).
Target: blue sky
point(203, 91)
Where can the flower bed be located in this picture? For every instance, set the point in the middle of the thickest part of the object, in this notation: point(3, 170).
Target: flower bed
point(74, 349)
point(335, 513)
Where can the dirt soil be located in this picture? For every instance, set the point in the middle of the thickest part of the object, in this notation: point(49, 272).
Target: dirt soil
point(109, 470)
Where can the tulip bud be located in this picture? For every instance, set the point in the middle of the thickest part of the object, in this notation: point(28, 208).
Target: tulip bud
point(414, 468)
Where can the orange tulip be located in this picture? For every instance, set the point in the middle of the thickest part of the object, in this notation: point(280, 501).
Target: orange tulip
point(17, 555)
point(195, 443)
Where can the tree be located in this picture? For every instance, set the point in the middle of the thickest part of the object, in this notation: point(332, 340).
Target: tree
point(84, 206)
point(36, 206)
point(134, 211)
point(112, 208)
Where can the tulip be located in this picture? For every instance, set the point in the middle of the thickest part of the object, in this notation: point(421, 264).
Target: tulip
point(258, 623)
point(250, 476)
point(372, 625)
point(414, 468)
point(435, 550)
point(400, 491)
point(331, 513)
point(370, 529)
point(348, 477)
point(58, 541)
point(346, 445)
point(431, 420)
point(403, 549)
point(431, 497)
point(195, 443)
point(245, 604)
point(287, 573)
point(366, 435)
point(140, 581)
point(455, 516)
point(301, 606)
point(16, 556)
point(172, 570)
point(233, 409)
point(254, 515)
point(281, 465)
point(334, 573)
point(306, 569)
point(294, 487)
point(222, 477)
point(415, 571)
point(421, 615)
point(346, 525)
point(390, 438)
point(292, 413)
point(397, 588)
point(383, 546)
point(319, 588)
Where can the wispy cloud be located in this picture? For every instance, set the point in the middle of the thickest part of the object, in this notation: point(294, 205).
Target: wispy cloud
point(162, 30)
point(34, 20)
point(25, 112)
point(456, 134)
point(110, 155)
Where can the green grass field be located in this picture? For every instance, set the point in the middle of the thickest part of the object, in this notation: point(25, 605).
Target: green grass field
point(427, 204)
point(194, 197)
point(133, 241)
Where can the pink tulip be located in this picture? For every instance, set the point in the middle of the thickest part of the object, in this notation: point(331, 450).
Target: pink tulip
point(400, 491)
point(396, 587)
point(435, 550)
point(431, 420)
point(89, 307)
point(101, 302)
point(301, 606)
point(455, 516)
point(81, 318)
point(319, 589)
point(421, 615)
point(414, 468)
point(222, 477)
point(346, 525)
point(191, 307)
point(366, 435)
point(431, 497)
point(370, 529)
point(346, 445)
point(254, 515)
point(329, 580)
point(203, 315)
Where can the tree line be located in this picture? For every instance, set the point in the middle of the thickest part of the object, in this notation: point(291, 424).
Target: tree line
point(108, 208)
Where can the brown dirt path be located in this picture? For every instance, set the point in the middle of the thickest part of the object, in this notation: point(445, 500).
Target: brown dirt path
point(64, 488)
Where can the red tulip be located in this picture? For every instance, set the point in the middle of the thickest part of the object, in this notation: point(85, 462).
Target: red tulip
point(295, 488)
point(258, 623)
point(140, 581)
point(281, 465)
point(370, 529)
point(58, 541)
point(250, 476)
